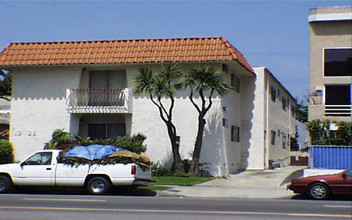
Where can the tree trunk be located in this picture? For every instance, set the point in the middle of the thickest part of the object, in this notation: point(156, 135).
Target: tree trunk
point(177, 162)
point(197, 147)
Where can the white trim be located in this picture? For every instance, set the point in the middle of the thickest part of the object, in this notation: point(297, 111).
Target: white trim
point(330, 17)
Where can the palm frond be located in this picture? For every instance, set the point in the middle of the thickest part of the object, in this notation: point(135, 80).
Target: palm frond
point(144, 81)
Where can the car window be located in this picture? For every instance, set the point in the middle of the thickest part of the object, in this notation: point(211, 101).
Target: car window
point(42, 158)
point(349, 173)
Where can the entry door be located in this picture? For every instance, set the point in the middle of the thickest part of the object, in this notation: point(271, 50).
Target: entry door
point(37, 170)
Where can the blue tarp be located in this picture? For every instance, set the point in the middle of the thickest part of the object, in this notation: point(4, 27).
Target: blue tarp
point(92, 152)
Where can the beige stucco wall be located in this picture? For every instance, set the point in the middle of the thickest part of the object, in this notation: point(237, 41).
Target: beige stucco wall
point(327, 34)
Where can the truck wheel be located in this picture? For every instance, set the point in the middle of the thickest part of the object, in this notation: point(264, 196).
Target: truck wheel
point(318, 191)
point(98, 185)
point(5, 184)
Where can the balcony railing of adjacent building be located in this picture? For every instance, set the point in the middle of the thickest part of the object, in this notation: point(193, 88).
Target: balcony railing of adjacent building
point(330, 110)
point(338, 110)
point(100, 100)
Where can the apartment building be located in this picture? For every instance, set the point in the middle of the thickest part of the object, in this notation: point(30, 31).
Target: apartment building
point(273, 122)
point(85, 87)
point(331, 64)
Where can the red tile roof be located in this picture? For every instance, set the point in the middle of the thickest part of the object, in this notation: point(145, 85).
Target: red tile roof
point(121, 51)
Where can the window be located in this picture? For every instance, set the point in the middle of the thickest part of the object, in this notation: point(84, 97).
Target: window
point(225, 68)
point(235, 133)
point(224, 122)
point(278, 92)
point(273, 137)
point(107, 79)
point(284, 141)
point(293, 113)
point(284, 103)
point(273, 94)
point(105, 131)
point(42, 158)
point(235, 82)
point(338, 62)
point(337, 94)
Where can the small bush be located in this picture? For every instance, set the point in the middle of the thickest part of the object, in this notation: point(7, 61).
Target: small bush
point(181, 174)
point(6, 152)
point(159, 170)
point(186, 164)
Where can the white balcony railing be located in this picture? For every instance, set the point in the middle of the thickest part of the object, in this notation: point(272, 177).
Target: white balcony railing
point(100, 100)
point(338, 110)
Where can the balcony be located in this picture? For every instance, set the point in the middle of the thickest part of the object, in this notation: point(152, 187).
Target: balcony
point(338, 110)
point(99, 100)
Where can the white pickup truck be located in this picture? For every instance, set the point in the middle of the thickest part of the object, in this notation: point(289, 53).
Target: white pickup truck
point(43, 169)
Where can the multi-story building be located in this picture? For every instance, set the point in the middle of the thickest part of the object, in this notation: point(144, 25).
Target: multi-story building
point(273, 122)
point(86, 88)
point(331, 64)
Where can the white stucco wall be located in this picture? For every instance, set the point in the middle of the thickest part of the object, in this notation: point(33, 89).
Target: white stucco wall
point(270, 116)
point(38, 106)
point(146, 120)
point(257, 142)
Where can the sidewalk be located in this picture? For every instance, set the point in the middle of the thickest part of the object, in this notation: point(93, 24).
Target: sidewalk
point(249, 184)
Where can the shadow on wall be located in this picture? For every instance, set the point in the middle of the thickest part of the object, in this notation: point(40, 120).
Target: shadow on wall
point(213, 151)
point(331, 29)
point(247, 121)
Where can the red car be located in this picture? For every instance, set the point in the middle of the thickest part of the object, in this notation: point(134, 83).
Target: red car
point(322, 186)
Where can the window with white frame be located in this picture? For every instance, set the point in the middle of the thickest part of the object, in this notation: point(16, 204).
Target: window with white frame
point(338, 62)
point(337, 94)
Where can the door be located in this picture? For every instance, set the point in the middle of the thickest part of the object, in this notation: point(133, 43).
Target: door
point(343, 183)
point(37, 170)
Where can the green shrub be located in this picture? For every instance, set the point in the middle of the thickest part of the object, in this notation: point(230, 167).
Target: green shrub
point(159, 170)
point(61, 139)
point(6, 152)
point(181, 174)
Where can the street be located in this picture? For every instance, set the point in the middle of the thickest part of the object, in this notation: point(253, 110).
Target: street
point(72, 206)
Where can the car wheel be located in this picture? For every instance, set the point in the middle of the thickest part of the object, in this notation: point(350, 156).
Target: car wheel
point(98, 185)
point(318, 191)
point(5, 184)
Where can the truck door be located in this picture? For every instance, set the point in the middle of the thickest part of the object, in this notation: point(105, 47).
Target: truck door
point(37, 170)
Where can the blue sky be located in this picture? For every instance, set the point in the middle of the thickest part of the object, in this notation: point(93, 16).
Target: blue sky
point(274, 34)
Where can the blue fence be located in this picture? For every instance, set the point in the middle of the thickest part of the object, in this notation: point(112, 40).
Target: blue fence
point(330, 157)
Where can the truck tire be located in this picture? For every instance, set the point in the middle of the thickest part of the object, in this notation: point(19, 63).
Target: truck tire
point(5, 184)
point(98, 185)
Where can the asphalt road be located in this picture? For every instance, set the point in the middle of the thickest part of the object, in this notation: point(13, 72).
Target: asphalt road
point(73, 206)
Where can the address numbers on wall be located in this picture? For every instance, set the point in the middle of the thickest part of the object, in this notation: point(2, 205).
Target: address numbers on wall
point(25, 133)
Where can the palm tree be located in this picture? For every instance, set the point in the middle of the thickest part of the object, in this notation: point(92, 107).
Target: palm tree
point(5, 85)
point(204, 81)
point(162, 87)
